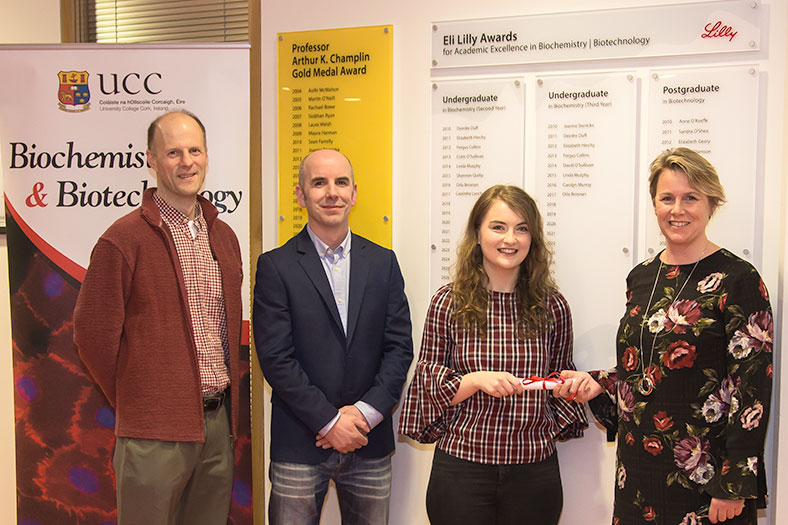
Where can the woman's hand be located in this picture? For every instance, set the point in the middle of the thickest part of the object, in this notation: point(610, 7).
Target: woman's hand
point(496, 384)
point(580, 390)
point(724, 509)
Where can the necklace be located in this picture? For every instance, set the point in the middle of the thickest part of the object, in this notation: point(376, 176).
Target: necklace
point(646, 384)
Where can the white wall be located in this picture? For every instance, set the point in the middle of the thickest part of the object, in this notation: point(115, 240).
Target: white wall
point(32, 21)
point(7, 450)
point(780, 477)
point(29, 22)
point(587, 464)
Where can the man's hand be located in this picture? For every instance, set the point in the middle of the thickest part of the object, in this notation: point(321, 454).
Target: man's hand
point(357, 417)
point(349, 433)
point(724, 509)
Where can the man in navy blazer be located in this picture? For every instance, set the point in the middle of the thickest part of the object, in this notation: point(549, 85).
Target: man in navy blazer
point(333, 336)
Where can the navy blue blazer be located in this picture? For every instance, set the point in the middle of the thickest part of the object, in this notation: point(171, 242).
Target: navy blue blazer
point(311, 366)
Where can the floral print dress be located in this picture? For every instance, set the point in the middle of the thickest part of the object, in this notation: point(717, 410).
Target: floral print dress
point(689, 397)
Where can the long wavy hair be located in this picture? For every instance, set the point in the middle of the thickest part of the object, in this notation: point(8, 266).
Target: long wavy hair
point(534, 284)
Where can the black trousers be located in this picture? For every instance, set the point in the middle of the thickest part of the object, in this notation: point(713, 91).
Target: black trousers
point(471, 493)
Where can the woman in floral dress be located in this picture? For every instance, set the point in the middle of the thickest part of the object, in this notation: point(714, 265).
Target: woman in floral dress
point(689, 397)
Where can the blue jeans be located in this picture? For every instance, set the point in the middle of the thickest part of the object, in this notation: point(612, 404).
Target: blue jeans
point(363, 489)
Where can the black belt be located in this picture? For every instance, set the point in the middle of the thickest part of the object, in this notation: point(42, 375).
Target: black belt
point(213, 402)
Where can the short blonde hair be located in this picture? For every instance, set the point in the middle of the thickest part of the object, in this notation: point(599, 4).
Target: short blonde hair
point(701, 174)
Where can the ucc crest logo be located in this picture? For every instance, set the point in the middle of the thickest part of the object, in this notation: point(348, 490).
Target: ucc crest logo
point(73, 93)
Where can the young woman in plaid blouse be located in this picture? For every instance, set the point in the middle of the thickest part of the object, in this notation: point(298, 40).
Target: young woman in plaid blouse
point(499, 320)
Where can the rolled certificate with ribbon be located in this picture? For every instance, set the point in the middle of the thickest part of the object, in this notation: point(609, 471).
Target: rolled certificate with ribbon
point(544, 383)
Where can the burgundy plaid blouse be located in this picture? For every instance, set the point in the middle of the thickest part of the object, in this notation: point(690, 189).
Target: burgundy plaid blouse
point(484, 429)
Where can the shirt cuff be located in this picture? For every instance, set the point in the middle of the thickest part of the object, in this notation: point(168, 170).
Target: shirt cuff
point(329, 425)
point(372, 416)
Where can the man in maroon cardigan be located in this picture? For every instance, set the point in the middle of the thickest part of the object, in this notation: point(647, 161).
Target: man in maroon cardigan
point(158, 326)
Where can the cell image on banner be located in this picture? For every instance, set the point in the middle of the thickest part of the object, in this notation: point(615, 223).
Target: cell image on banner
point(73, 133)
point(64, 428)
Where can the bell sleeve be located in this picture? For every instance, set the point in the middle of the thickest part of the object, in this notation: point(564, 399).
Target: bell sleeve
point(426, 412)
point(569, 416)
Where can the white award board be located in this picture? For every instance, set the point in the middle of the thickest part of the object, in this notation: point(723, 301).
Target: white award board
point(476, 142)
point(586, 138)
point(715, 112)
point(725, 26)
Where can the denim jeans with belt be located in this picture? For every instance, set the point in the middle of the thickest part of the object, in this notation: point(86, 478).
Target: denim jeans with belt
point(363, 489)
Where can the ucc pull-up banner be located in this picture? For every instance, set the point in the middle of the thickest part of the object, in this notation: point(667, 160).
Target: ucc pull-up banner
point(73, 123)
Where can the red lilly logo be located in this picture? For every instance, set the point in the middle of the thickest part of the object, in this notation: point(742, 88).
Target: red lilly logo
point(73, 93)
point(718, 30)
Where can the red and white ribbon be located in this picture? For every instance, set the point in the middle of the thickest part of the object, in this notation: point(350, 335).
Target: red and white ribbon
point(544, 383)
